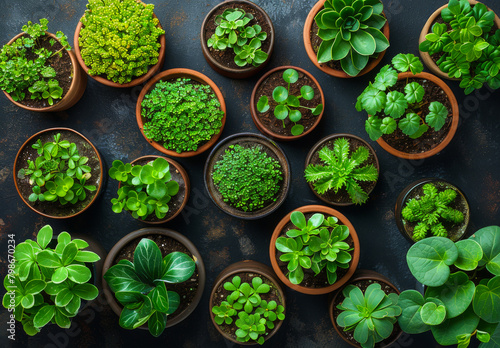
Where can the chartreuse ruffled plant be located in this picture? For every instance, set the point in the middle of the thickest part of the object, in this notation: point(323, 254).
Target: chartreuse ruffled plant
point(47, 285)
point(317, 244)
point(371, 315)
point(350, 31)
point(288, 105)
point(462, 298)
point(119, 39)
point(141, 286)
point(391, 109)
point(244, 306)
point(469, 50)
point(145, 189)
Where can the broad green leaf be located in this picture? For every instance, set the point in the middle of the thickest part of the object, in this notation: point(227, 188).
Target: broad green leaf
point(157, 190)
point(373, 100)
point(86, 256)
point(432, 314)
point(63, 298)
point(447, 332)
point(44, 316)
point(395, 105)
point(60, 275)
point(487, 301)
point(489, 240)
point(387, 77)
point(469, 254)
point(410, 124)
point(159, 298)
point(78, 273)
point(307, 92)
point(363, 43)
point(34, 286)
point(410, 320)
point(47, 258)
point(388, 125)
point(414, 92)
point(122, 277)
point(280, 94)
point(373, 127)
point(281, 112)
point(436, 118)
point(157, 323)
point(173, 301)
point(456, 293)
point(61, 319)
point(263, 104)
point(177, 267)
point(69, 253)
point(86, 291)
point(148, 260)
point(44, 236)
point(133, 318)
point(290, 75)
point(405, 62)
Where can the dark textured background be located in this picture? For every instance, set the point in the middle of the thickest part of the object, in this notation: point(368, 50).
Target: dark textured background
point(107, 117)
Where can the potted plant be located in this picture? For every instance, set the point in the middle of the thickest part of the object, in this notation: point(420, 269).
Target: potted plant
point(247, 176)
point(470, 58)
point(462, 292)
point(412, 114)
point(247, 303)
point(49, 280)
point(287, 103)
point(344, 40)
point(342, 169)
point(432, 207)
point(314, 250)
point(120, 43)
point(154, 276)
point(237, 38)
point(40, 71)
point(181, 112)
point(58, 173)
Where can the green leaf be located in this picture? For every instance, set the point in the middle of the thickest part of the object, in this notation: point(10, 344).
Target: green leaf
point(290, 75)
point(373, 100)
point(86, 256)
point(388, 125)
point(148, 260)
point(157, 323)
point(373, 127)
point(297, 129)
point(469, 254)
point(456, 293)
point(49, 259)
point(307, 92)
point(447, 332)
point(63, 298)
point(363, 43)
point(281, 112)
point(295, 115)
point(414, 92)
point(410, 124)
point(133, 318)
point(410, 321)
point(325, 51)
point(437, 115)
point(44, 316)
point(177, 267)
point(44, 236)
point(395, 105)
point(157, 190)
point(486, 301)
point(280, 94)
point(387, 77)
point(60, 275)
point(34, 286)
point(61, 319)
point(122, 277)
point(405, 62)
point(159, 298)
point(87, 292)
point(432, 314)
point(69, 253)
point(263, 104)
point(78, 273)
point(489, 240)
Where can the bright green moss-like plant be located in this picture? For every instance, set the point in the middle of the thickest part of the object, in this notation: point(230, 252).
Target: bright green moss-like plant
point(119, 39)
point(181, 114)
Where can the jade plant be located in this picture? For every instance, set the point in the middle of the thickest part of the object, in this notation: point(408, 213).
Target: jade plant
point(233, 31)
point(287, 104)
point(317, 244)
point(46, 284)
point(430, 211)
point(59, 173)
point(26, 64)
point(119, 39)
point(462, 295)
point(350, 31)
point(469, 50)
point(370, 315)
point(252, 316)
point(342, 169)
point(144, 189)
point(390, 108)
point(181, 114)
point(141, 286)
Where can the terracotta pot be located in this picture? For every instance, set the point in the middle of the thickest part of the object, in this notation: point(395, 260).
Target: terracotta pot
point(372, 63)
point(247, 266)
point(142, 233)
point(246, 138)
point(64, 214)
point(338, 297)
point(173, 74)
point(182, 179)
point(407, 194)
point(234, 73)
point(74, 93)
point(325, 211)
point(255, 98)
point(454, 122)
point(429, 63)
point(319, 145)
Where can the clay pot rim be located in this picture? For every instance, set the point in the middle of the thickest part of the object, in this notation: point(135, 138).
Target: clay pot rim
point(172, 74)
point(58, 129)
point(315, 148)
point(254, 112)
point(453, 128)
point(168, 233)
point(355, 255)
point(285, 165)
point(323, 67)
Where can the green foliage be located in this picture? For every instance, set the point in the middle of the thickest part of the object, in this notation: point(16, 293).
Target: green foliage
point(25, 65)
point(59, 173)
point(233, 31)
point(342, 170)
point(469, 51)
point(255, 316)
point(351, 32)
point(317, 244)
point(430, 210)
point(119, 39)
point(141, 289)
point(49, 284)
point(182, 114)
point(288, 104)
point(145, 189)
point(247, 178)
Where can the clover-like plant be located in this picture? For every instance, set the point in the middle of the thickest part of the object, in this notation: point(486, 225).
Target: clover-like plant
point(47, 285)
point(371, 315)
point(430, 210)
point(468, 49)
point(462, 297)
point(141, 286)
point(317, 244)
point(350, 31)
point(287, 104)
